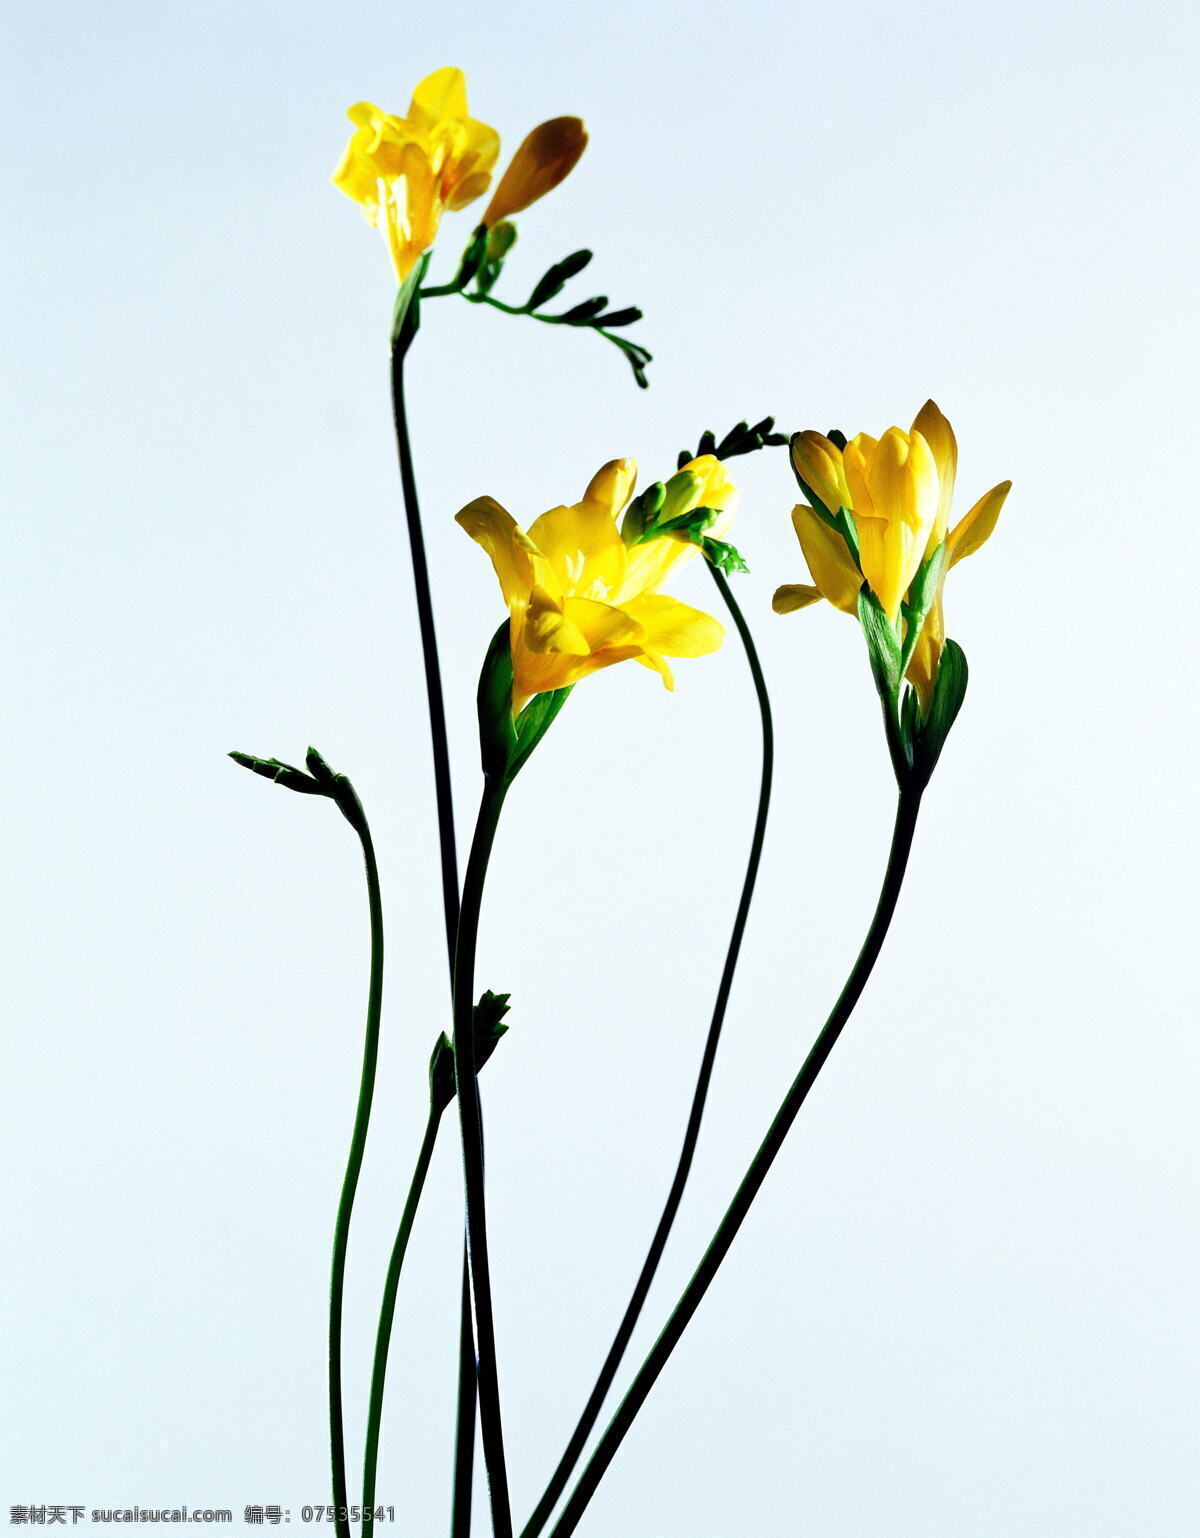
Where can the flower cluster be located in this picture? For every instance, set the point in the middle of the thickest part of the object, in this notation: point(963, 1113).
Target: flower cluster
point(582, 585)
point(878, 510)
point(406, 171)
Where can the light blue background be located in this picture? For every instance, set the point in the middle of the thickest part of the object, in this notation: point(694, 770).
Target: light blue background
point(965, 1305)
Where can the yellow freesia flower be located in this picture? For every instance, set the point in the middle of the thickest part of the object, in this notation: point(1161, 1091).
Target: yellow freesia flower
point(406, 170)
point(580, 598)
point(899, 489)
point(545, 157)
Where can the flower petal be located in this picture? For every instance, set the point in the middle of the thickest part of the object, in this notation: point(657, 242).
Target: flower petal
point(545, 157)
point(829, 561)
point(584, 548)
point(673, 627)
point(939, 435)
point(439, 96)
point(975, 527)
point(496, 530)
point(818, 463)
point(795, 595)
point(547, 628)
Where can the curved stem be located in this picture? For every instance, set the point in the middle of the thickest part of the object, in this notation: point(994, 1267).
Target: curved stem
point(472, 1144)
point(620, 1344)
point(387, 1313)
point(429, 653)
point(906, 818)
point(464, 1441)
point(337, 1439)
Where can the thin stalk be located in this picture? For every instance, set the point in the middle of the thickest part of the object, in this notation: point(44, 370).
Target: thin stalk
point(906, 818)
point(518, 309)
point(472, 1144)
point(387, 1311)
point(464, 1438)
point(620, 1343)
point(429, 654)
point(341, 1234)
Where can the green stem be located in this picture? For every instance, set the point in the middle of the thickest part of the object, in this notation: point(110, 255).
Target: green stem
point(387, 1312)
point(472, 1144)
point(620, 1344)
point(546, 320)
point(464, 1431)
point(906, 818)
point(341, 1235)
point(464, 1441)
point(429, 652)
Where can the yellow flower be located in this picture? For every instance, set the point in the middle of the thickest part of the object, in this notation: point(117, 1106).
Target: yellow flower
point(406, 170)
point(545, 157)
point(580, 598)
point(899, 489)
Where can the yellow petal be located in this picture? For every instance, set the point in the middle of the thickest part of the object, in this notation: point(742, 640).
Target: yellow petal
point(496, 530)
point(440, 95)
point(584, 548)
point(976, 526)
point(794, 595)
point(602, 624)
point(547, 628)
point(818, 463)
point(658, 664)
point(545, 157)
point(673, 627)
point(830, 563)
point(612, 486)
point(939, 435)
point(855, 457)
point(902, 482)
point(923, 665)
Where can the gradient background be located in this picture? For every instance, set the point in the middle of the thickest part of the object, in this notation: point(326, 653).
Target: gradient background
point(965, 1304)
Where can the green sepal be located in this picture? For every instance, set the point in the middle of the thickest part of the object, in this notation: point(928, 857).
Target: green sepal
point(534, 722)
point(500, 239)
point(320, 780)
point(584, 314)
point(837, 438)
point(479, 249)
point(283, 774)
point(949, 690)
point(487, 1027)
point(883, 645)
point(724, 556)
point(615, 318)
point(920, 600)
point(497, 732)
point(642, 512)
point(406, 312)
point(740, 439)
point(504, 743)
point(441, 1073)
point(910, 723)
point(555, 278)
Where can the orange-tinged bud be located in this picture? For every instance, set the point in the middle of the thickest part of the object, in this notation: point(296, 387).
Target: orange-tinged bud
point(545, 157)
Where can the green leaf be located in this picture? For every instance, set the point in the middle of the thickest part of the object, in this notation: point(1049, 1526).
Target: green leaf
point(406, 312)
point(883, 644)
point(555, 278)
point(949, 690)
point(920, 600)
point(533, 723)
point(497, 734)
